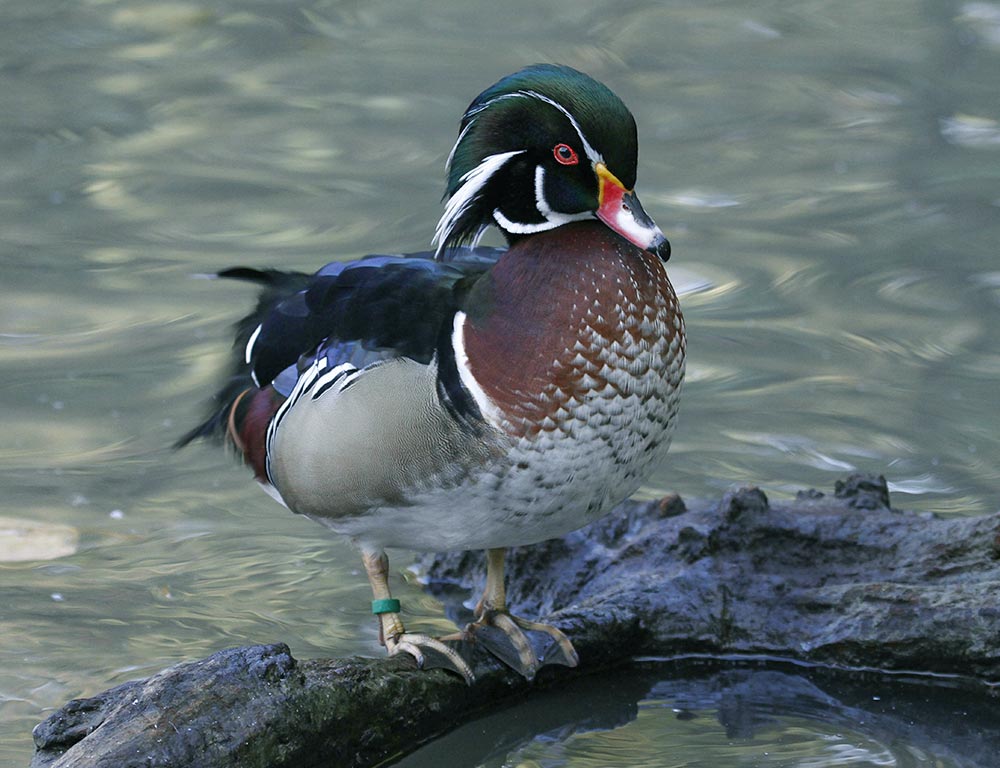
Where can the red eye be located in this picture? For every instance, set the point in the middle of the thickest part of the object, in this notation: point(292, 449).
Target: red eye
point(565, 154)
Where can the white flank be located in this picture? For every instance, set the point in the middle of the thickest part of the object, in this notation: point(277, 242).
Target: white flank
point(486, 406)
point(472, 184)
point(312, 379)
point(306, 379)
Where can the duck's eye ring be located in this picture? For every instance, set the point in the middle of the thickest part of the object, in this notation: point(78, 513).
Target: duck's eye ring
point(565, 154)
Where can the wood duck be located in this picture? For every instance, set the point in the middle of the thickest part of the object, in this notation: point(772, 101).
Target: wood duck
point(475, 397)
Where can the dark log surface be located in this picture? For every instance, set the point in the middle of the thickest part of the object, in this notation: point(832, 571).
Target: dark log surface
point(841, 580)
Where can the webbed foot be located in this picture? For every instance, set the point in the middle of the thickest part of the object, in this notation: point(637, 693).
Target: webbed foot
point(430, 653)
point(505, 636)
point(427, 651)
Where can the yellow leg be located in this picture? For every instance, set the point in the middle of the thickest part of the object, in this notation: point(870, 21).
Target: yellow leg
point(515, 650)
point(377, 568)
point(392, 633)
point(495, 593)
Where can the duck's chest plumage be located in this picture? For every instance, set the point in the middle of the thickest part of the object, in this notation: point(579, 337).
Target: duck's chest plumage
point(578, 351)
point(578, 335)
point(571, 349)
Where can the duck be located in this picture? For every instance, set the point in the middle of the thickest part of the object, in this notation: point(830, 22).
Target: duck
point(471, 397)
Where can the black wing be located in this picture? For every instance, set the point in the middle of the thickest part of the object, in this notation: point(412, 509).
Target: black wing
point(357, 311)
point(382, 304)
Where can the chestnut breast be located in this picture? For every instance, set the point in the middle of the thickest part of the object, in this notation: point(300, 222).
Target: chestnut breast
point(572, 320)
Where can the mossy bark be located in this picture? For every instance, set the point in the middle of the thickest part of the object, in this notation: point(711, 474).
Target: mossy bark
point(842, 580)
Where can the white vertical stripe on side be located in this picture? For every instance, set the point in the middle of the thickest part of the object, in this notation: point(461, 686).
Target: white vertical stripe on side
point(486, 406)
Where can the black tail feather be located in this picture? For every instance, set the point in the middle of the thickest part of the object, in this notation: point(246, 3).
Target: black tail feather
point(275, 286)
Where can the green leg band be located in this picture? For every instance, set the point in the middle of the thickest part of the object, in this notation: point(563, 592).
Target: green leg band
point(386, 605)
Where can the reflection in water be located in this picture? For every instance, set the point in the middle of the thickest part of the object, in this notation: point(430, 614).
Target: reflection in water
point(826, 173)
point(710, 714)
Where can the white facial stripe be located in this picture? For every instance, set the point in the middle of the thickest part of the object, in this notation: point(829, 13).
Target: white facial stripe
point(493, 101)
point(486, 406)
point(519, 228)
point(451, 155)
point(474, 181)
point(540, 202)
point(546, 210)
point(553, 219)
point(593, 154)
point(472, 184)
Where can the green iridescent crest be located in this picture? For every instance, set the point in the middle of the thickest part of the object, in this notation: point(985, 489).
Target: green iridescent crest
point(508, 135)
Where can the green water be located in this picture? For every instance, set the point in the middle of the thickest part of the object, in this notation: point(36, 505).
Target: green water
point(828, 174)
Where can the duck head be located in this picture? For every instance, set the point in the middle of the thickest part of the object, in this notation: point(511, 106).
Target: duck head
point(543, 147)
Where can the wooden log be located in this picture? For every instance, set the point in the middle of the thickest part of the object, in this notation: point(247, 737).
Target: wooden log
point(835, 580)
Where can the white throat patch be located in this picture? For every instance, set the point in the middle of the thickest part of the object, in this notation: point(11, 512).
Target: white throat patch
point(552, 218)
